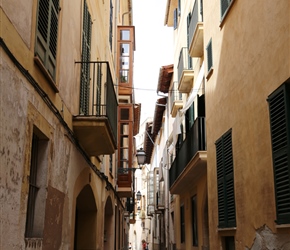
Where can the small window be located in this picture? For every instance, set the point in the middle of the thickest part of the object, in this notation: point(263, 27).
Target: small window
point(228, 243)
point(209, 56)
point(125, 114)
point(37, 187)
point(194, 221)
point(182, 225)
point(125, 35)
point(225, 4)
point(175, 21)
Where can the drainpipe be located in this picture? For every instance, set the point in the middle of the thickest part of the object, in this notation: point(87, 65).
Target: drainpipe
point(128, 12)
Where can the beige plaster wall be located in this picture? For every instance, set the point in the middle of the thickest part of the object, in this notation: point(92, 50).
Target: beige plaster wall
point(199, 189)
point(250, 60)
point(22, 108)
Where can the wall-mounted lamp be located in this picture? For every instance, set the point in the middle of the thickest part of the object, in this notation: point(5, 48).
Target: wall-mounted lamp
point(138, 196)
point(141, 156)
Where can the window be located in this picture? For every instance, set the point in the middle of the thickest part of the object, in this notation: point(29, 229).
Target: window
point(228, 243)
point(85, 67)
point(37, 187)
point(175, 21)
point(111, 163)
point(225, 181)
point(182, 224)
point(179, 140)
point(279, 106)
point(46, 34)
point(194, 221)
point(225, 4)
point(209, 56)
point(189, 118)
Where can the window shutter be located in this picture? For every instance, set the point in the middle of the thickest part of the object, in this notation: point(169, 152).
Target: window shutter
point(279, 123)
point(46, 35)
point(99, 90)
point(175, 19)
point(209, 55)
point(225, 181)
point(85, 68)
point(229, 180)
point(224, 7)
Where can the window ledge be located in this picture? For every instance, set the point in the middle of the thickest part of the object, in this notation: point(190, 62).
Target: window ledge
point(46, 74)
point(209, 73)
point(283, 226)
point(227, 229)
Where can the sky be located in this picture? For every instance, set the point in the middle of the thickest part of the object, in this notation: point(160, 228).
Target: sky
point(153, 50)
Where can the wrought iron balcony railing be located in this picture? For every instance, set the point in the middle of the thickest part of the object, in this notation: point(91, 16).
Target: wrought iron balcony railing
point(195, 141)
point(195, 31)
point(97, 122)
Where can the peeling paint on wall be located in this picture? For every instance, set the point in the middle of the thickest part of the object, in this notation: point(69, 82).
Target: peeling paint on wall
point(267, 240)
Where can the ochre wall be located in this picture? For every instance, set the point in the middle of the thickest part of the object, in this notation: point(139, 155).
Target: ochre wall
point(250, 60)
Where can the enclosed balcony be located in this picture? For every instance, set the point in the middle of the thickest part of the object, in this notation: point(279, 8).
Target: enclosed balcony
point(191, 159)
point(176, 102)
point(195, 31)
point(160, 200)
point(185, 72)
point(96, 124)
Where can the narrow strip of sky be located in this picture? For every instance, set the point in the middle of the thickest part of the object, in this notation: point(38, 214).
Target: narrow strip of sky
point(153, 50)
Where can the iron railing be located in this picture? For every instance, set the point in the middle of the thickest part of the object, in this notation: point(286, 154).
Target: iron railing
point(101, 99)
point(175, 95)
point(195, 18)
point(195, 141)
point(184, 62)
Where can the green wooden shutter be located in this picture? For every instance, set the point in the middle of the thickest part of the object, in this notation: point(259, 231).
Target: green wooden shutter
point(224, 7)
point(225, 181)
point(99, 90)
point(209, 55)
point(279, 123)
point(86, 56)
point(46, 35)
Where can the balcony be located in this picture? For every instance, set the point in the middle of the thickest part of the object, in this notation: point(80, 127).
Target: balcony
point(160, 200)
point(195, 31)
point(190, 162)
point(185, 72)
point(176, 102)
point(96, 125)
